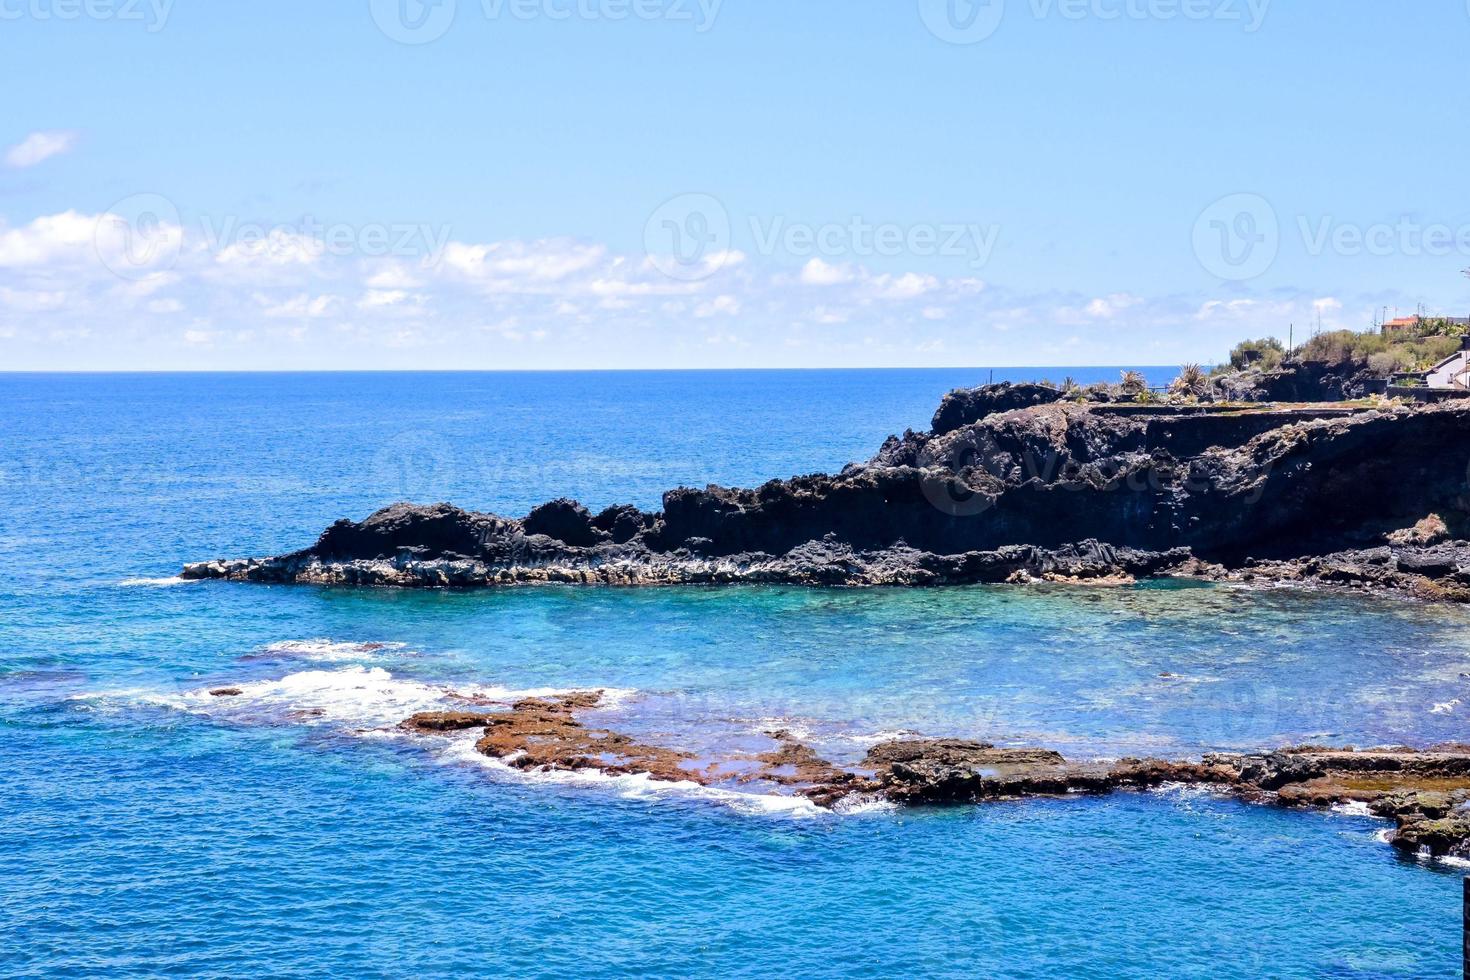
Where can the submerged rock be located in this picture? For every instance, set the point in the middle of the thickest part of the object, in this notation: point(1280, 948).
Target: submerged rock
point(1426, 793)
point(445, 721)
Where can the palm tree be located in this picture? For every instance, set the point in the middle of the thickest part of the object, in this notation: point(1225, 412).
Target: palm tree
point(1192, 380)
point(1133, 384)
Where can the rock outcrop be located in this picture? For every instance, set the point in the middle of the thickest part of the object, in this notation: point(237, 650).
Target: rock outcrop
point(966, 406)
point(1052, 491)
point(1425, 793)
point(1302, 381)
point(1432, 572)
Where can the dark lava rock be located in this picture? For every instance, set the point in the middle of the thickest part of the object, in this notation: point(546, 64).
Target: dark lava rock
point(1447, 836)
point(1303, 381)
point(623, 523)
point(968, 405)
point(1059, 492)
point(566, 521)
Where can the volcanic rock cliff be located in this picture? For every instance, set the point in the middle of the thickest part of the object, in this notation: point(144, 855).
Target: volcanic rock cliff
point(1010, 484)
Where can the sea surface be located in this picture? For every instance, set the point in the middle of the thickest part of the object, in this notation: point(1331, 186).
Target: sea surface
point(147, 828)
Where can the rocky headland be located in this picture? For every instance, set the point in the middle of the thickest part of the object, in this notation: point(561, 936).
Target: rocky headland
point(1012, 483)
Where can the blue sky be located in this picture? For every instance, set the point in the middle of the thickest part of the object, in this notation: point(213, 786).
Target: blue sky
point(289, 185)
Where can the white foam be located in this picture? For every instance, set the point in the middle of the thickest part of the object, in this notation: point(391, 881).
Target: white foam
point(369, 702)
point(1445, 708)
point(639, 786)
point(353, 697)
point(796, 729)
point(324, 649)
point(156, 583)
point(1352, 808)
point(860, 803)
point(874, 738)
point(1186, 790)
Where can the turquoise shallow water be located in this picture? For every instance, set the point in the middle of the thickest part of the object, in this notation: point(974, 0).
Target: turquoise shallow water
point(149, 829)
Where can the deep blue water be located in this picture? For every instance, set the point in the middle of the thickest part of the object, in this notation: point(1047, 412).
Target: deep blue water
point(146, 828)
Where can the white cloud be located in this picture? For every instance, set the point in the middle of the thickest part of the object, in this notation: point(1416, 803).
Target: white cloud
point(302, 305)
point(819, 273)
point(277, 247)
point(49, 238)
point(381, 297)
point(507, 263)
point(907, 286)
point(720, 305)
point(31, 301)
point(393, 275)
point(40, 146)
point(1107, 307)
point(283, 298)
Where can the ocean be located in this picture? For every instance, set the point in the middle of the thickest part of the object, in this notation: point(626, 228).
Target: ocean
point(147, 828)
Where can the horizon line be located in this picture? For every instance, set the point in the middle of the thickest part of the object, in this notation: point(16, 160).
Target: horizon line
point(573, 370)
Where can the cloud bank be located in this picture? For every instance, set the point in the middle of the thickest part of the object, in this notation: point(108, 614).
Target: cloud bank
point(143, 291)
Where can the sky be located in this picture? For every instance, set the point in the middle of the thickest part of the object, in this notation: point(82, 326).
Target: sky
point(549, 184)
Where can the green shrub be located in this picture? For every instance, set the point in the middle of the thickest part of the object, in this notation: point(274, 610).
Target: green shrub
point(1266, 353)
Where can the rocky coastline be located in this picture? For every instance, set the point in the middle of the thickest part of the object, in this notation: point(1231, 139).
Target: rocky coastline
point(1011, 484)
point(1425, 793)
